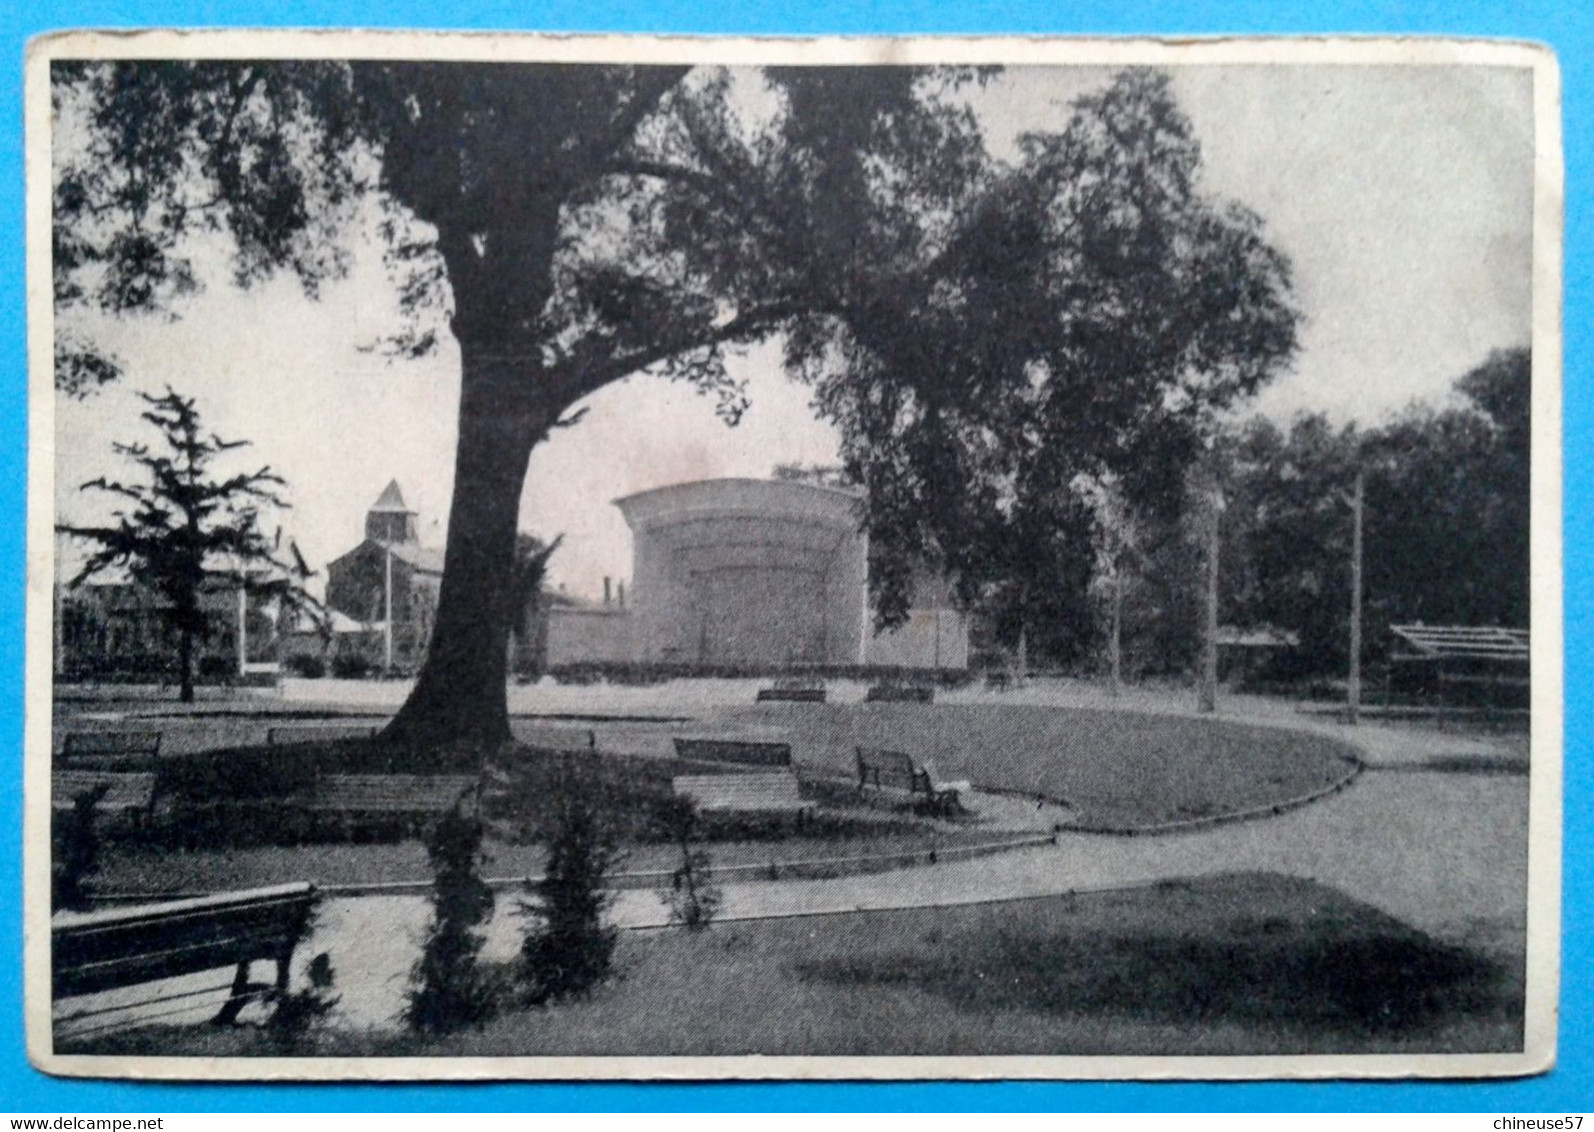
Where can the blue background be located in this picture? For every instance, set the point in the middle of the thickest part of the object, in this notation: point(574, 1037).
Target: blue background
point(1567, 26)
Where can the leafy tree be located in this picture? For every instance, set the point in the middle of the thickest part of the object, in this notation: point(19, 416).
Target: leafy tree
point(1446, 529)
point(568, 225)
point(187, 529)
point(1089, 319)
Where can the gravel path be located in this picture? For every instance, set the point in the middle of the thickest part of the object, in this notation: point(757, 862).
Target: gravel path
point(1445, 851)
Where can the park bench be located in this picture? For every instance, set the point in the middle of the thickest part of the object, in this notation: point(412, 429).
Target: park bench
point(122, 947)
point(791, 695)
point(562, 739)
point(127, 793)
point(736, 751)
point(998, 681)
point(385, 795)
point(894, 772)
point(110, 750)
point(774, 792)
point(287, 733)
point(900, 694)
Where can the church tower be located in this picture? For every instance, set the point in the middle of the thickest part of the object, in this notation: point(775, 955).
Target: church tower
point(390, 520)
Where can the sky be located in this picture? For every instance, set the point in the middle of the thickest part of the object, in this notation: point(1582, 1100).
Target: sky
point(1402, 196)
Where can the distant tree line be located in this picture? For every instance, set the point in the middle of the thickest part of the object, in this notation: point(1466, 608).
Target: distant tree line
point(1447, 510)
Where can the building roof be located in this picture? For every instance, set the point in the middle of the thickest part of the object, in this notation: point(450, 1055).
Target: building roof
point(1256, 637)
point(1476, 642)
point(428, 559)
point(743, 497)
point(391, 500)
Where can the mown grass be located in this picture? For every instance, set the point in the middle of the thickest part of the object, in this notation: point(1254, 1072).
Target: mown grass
point(1117, 769)
point(1249, 963)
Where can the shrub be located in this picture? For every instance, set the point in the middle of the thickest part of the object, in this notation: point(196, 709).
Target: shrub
point(693, 897)
point(212, 667)
point(307, 665)
point(350, 666)
point(298, 1012)
point(74, 850)
point(448, 987)
point(567, 948)
point(658, 672)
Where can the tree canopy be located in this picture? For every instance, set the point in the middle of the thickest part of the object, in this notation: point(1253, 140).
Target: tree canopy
point(982, 333)
point(1090, 316)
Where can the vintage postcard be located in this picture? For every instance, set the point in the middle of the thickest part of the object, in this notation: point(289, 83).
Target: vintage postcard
point(626, 557)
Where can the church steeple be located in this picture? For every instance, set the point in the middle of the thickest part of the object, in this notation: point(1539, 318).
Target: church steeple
point(390, 520)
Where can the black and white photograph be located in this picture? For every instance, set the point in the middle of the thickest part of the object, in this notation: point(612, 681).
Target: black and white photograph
point(637, 557)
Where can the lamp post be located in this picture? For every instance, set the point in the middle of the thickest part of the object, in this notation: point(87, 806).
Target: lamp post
point(387, 611)
point(1353, 686)
point(1207, 700)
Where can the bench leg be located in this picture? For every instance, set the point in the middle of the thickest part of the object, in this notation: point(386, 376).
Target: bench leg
point(236, 1001)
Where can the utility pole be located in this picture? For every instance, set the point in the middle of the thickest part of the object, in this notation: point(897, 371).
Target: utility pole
point(1354, 684)
point(243, 626)
point(1208, 700)
point(387, 613)
point(1115, 652)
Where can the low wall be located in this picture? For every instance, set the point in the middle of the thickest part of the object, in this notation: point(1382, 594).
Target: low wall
point(578, 635)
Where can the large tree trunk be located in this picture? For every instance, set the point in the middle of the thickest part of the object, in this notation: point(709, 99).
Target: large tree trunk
point(459, 702)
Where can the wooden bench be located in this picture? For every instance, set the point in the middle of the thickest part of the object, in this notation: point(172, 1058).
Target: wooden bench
point(998, 681)
point(111, 750)
point(896, 772)
point(737, 751)
point(122, 947)
point(791, 695)
point(776, 792)
point(287, 733)
point(399, 795)
point(562, 739)
point(129, 793)
point(900, 694)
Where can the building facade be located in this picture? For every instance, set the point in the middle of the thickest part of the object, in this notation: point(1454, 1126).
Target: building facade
point(383, 593)
point(767, 573)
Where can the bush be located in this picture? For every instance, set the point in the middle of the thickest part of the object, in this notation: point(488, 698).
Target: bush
point(567, 948)
point(350, 666)
point(448, 987)
point(306, 664)
point(214, 668)
point(658, 672)
point(693, 897)
point(74, 850)
point(298, 1012)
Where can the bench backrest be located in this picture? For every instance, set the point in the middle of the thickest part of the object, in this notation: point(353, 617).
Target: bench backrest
point(318, 732)
point(746, 793)
point(562, 739)
point(792, 695)
point(131, 749)
point(118, 947)
point(734, 751)
point(900, 694)
point(388, 793)
point(124, 791)
point(891, 770)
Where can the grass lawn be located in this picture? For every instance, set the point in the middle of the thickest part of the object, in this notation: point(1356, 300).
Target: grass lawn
point(1117, 769)
point(1249, 963)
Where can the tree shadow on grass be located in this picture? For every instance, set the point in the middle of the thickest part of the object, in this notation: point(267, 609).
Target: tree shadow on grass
point(1273, 955)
